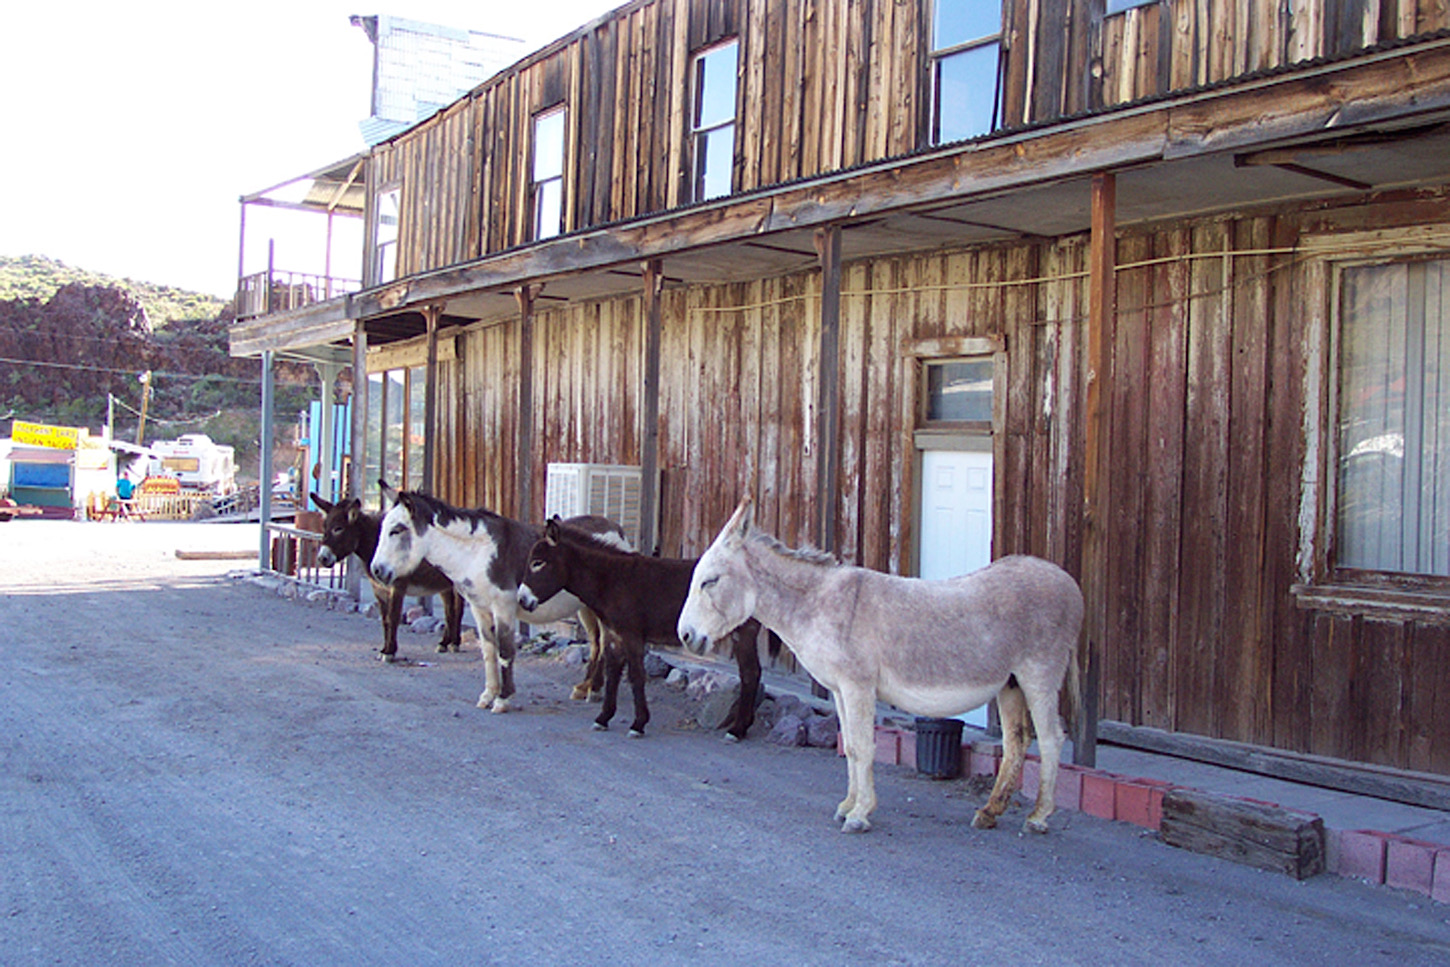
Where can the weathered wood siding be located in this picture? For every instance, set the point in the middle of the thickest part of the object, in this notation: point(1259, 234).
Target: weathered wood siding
point(1075, 58)
point(822, 86)
point(1206, 403)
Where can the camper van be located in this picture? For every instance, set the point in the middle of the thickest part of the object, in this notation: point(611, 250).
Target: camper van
point(197, 462)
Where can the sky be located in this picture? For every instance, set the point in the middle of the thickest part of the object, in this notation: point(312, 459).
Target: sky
point(130, 129)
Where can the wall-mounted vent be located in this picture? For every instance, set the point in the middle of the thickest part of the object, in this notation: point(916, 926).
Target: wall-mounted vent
point(609, 490)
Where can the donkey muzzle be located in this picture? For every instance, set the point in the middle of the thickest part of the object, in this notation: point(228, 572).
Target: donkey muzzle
point(527, 600)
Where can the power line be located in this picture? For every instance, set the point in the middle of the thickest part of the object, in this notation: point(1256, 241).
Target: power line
point(128, 372)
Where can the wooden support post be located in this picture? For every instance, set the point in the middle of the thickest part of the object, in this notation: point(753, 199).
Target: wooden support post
point(1102, 318)
point(431, 313)
point(649, 457)
point(828, 399)
point(526, 294)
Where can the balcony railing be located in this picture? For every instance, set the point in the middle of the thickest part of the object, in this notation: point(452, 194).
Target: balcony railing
point(276, 291)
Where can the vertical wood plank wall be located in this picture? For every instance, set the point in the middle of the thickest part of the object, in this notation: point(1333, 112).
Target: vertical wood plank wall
point(1202, 632)
point(822, 86)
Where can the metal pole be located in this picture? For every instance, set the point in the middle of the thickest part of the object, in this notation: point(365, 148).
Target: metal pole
point(264, 461)
point(359, 441)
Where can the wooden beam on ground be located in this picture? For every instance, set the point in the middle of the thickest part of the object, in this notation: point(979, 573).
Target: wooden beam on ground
point(1256, 834)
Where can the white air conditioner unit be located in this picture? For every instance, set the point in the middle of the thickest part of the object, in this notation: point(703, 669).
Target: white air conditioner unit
point(609, 490)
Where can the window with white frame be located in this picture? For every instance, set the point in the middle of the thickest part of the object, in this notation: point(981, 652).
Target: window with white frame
point(1393, 422)
point(712, 128)
point(966, 47)
point(385, 244)
point(546, 185)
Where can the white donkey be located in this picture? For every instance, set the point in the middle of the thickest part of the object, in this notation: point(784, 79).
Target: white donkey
point(484, 555)
point(932, 648)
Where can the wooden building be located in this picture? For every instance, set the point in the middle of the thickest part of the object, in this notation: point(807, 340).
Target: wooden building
point(1157, 290)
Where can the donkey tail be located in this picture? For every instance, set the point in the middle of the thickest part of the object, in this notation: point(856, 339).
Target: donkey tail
point(1074, 688)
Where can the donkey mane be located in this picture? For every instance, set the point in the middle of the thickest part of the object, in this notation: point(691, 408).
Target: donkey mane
point(805, 553)
point(428, 509)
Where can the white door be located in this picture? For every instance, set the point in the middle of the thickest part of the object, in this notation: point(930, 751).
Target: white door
point(956, 521)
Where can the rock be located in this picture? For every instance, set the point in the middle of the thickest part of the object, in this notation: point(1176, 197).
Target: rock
point(370, 610)
point(822, 730)
point(576, 655)
point(426, 624)
point(655, 666)
point(678, 678)
point(414, 613)
point(793, 705)
point(715, 708)
point(788, 730)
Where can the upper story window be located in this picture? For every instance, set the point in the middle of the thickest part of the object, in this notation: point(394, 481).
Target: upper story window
point(1393, 496)
point(966, 47)
point(712, 128)
point(1118, 6)
point(546, 184)
point(385, 234)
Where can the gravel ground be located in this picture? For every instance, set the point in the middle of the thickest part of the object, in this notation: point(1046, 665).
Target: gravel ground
point(196, 771)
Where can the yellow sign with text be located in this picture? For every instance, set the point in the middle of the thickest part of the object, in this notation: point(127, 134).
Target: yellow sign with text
point(41, 435)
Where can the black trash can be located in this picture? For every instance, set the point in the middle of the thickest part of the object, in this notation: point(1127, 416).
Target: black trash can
point(939, 747)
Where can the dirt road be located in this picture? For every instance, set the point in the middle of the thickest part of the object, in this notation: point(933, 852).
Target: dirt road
point(198, 772)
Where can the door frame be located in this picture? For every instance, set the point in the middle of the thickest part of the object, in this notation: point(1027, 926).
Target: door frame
point(947, 436)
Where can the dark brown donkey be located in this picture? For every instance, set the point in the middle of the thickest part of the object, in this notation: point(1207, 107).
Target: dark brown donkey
point(348, 529)
point(638, 599)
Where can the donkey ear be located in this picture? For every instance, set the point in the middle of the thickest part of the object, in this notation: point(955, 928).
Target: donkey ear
point(389, 494)
point(552, 530)
point(740, 522)
point(325, 505)
point(353, 509)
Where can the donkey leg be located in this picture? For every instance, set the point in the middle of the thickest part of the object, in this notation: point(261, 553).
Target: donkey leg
point(488, 646)
point(613, 668)
point(1013, 709)
point(593, 679)
point(1049, 746)
point(857, 708)
point(390, 605)
point(452, 622)
point(507, 649)
point(634, 656)
point(747, 661)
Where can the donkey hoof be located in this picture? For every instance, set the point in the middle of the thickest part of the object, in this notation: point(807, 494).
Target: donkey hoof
point(984, 820)
point(500, 706)
point(731, 737)
point(856, 826)
point(443, 648)
point(485, 700)
point(579, 694)
point(636, 733)
point(599, 726)
point(387, 659)
point(1038, 826)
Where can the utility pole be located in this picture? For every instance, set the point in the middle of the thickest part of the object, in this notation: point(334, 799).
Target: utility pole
point(145, 399)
